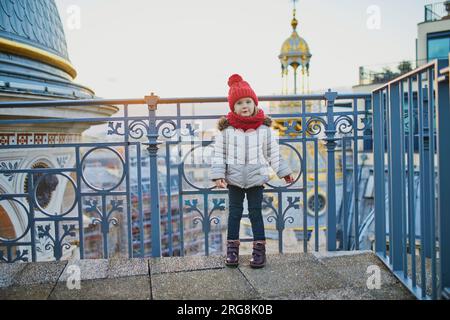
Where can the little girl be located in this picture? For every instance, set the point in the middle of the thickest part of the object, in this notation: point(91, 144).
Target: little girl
point(243, 152)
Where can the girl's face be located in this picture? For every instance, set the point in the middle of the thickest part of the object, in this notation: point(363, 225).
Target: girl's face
point(245, 107)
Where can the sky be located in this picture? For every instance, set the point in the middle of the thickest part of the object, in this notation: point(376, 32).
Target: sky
point(180, 48)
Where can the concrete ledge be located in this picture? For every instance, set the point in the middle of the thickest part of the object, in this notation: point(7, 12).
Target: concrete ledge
point(356, 268)
point(125, 288)
point(335, 254)
point(128, 267)
point(28, 292)
point(89, 269)
point(337, 275)
point(39, 272)
point(219, 284)
point(8, 271)
point(189, 263)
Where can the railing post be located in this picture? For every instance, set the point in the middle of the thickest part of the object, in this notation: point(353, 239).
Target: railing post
point(379, 175)
point(152, 102)
point(443, 159)
point(331, 171)
point(396, 175)
point(427, 171)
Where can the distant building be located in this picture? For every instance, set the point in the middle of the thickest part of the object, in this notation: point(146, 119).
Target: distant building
point(433, 34)
point(433, 42)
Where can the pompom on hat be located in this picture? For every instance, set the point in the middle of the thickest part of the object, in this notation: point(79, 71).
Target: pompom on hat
point(239, 89)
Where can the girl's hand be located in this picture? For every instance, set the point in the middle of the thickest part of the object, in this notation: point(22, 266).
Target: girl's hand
point(220, 183)
point(289, 179)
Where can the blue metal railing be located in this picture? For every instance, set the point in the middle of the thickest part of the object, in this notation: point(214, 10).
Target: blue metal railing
point(410, 133)
point(153, 203)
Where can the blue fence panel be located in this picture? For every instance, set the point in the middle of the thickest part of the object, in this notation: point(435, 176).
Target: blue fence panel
point(156, 208)
point(411, 115)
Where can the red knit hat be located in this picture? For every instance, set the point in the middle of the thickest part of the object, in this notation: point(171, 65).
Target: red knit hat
point(239, 89)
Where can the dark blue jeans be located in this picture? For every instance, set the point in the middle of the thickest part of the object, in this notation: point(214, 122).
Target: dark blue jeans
point(236, 199)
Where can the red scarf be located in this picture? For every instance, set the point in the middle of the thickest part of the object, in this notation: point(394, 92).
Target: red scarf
point(246, 123)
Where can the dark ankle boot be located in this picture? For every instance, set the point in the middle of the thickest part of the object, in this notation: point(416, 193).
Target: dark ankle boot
point(258, 255)
point(232, 259)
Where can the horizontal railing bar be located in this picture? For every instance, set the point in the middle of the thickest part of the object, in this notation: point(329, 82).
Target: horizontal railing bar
point(117, 119)
point(37, 170)
point(14, 195)
point(269, 190)
point(101, 192)
point(12, 243)
point(281, 139)
point(56, 218)
point(407, 75)
point(94, 102)
point(70, 103)
point(266, 98)
point(144, 118)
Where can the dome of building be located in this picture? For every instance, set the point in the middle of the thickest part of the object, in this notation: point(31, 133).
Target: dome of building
point(35, 23)
point(34, 60)
point(295, 46)
point(295, 50)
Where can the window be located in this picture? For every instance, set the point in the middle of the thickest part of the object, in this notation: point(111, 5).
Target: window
point(438, 46)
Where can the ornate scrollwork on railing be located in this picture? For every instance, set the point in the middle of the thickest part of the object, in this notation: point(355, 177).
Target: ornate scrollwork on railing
point(9, 166)
point(166, 131)
point(281, 218)
point(300, 161)
point(13, 243)
point(109, 186)
point(315, 125)
point(55, 244)
point(21, 255)
point(192, 152)
point(192, 130)
point(62, 160)
point(205, 218)
point(291, 128)
point(138, 128)
point(44, 185)
point(104, 219)
point(367, 122)
point(343, 124)
point(114, 128)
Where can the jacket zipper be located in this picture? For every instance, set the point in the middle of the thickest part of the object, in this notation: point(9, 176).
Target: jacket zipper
point(245, 163)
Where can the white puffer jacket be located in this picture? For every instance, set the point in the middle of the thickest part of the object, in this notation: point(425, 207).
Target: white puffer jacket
point(243, 158)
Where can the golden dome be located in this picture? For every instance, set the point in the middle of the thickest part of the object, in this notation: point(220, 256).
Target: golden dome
point(295, 45)
point(295, 50)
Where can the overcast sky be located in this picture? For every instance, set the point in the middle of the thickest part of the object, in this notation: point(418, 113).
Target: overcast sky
point(181, 48)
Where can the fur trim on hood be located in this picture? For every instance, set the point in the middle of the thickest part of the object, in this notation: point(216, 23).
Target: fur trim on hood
point(223, 123)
